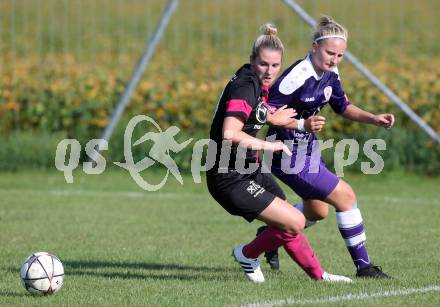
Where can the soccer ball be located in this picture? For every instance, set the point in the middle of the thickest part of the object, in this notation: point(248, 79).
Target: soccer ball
point(42, 273)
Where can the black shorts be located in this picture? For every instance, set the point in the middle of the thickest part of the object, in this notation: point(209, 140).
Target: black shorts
point(245, 195)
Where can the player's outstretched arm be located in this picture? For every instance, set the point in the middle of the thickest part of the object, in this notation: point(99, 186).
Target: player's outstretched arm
point(354, 113)
point(232, 131)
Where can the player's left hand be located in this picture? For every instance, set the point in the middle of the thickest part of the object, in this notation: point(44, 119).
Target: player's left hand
point(384, 120)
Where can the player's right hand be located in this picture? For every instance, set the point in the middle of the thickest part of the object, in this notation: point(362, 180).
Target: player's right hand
point(314, 123)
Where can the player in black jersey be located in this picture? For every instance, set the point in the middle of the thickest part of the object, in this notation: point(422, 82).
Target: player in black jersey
point(236, 181)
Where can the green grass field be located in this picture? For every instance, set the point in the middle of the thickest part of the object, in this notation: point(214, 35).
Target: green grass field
point(122, 246)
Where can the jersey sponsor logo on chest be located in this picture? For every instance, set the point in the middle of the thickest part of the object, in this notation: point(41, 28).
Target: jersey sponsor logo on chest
point(309, 99)
point(261, 113)
point(327, 93)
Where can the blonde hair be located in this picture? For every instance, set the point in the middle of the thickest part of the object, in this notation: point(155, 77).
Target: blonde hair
point(268, 39)
point(328, 28)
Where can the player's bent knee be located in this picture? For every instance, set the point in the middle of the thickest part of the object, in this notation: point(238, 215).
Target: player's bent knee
point(295, 225)
point(350, 197)
point(349, 193)
point(320, 215)
point(353, 199)
point(342, 197)
point(281, 215)
point(315, 210)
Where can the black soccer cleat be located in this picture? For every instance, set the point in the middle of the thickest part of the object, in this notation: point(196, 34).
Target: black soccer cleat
point(272, 256)
point(374, 272)
point(272, 259)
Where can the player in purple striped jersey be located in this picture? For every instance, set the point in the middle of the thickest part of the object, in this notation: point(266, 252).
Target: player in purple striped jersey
point(308, 86)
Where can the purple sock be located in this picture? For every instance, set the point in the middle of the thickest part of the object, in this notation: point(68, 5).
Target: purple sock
point(352, 230)
point(359, 255)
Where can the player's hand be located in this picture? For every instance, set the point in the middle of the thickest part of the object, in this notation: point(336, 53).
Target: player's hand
point(314, 123)
point(384, 120)
point(278, 146)
point(282, 116)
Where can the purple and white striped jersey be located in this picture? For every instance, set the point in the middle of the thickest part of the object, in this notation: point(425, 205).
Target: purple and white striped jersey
point(301, 88)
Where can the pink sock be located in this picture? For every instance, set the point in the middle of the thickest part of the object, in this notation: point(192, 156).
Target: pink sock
point(268, 240)
point(302, 253)
point(296, 246)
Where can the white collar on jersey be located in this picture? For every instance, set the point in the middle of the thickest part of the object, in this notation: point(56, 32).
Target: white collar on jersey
point(298, 75)
point(308, 60)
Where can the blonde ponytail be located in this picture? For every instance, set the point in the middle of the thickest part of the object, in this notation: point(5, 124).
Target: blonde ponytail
point(268, 39)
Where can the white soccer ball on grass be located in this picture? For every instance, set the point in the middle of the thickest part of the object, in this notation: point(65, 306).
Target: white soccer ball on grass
point(42, 273)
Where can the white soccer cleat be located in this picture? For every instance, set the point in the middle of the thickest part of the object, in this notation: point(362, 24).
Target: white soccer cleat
point(334, 278)
point(251, 267)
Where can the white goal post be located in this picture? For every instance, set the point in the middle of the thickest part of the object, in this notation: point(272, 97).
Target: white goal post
point(137, 74)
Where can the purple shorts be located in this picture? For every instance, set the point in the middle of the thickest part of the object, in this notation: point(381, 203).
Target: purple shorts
point(307, 184)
